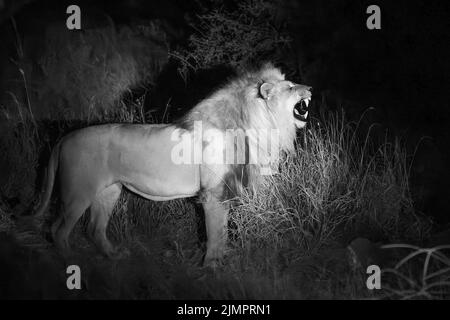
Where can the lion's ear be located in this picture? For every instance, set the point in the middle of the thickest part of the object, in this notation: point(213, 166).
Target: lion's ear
point(266, 90)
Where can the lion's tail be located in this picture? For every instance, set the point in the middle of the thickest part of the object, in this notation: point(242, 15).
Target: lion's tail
point(48, 182)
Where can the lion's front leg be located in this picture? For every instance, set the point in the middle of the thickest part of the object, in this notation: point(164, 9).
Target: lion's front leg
point(216, 219)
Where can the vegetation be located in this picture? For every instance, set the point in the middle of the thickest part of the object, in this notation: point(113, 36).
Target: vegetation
point(239, 38)
point(288, 240)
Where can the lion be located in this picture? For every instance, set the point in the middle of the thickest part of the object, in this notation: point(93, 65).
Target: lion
point(94, 164)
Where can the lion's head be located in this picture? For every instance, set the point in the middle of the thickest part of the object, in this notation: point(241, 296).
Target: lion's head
point(286, 97)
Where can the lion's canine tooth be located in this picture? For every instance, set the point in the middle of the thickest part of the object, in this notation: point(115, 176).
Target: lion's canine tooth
point(296, 111)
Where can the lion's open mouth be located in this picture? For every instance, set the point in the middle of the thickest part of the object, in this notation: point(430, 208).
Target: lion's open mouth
point(301, 109)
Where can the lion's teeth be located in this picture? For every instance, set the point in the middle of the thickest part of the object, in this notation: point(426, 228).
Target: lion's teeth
point(296, 111)
point(307, 101)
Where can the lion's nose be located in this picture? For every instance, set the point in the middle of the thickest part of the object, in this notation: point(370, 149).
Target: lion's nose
point(307, 89)
point(304, 91)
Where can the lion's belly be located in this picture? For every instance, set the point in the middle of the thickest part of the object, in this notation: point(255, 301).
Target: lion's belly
point(144, 164)
point(163, 182)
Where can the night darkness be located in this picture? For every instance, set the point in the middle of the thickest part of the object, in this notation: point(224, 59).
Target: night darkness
point(152, 62)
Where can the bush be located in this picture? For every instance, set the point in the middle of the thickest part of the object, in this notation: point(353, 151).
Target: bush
point(78, 74)
point(238, 38)
point(91, 71)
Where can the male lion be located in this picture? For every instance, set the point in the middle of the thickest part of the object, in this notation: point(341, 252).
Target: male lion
point(94, 163)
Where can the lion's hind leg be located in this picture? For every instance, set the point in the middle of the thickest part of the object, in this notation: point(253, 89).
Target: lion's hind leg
point(101, 211)
point(63, 226)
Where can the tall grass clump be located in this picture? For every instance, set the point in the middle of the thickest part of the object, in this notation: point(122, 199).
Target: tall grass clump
point(20, 147)
point(333, 188)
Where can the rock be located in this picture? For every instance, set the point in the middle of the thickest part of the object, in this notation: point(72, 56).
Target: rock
point(364, 253)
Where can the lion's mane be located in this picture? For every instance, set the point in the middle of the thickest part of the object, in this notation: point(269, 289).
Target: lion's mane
point(238, 105)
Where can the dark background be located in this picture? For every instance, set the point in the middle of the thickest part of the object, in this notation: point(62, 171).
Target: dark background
point(401, 70)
